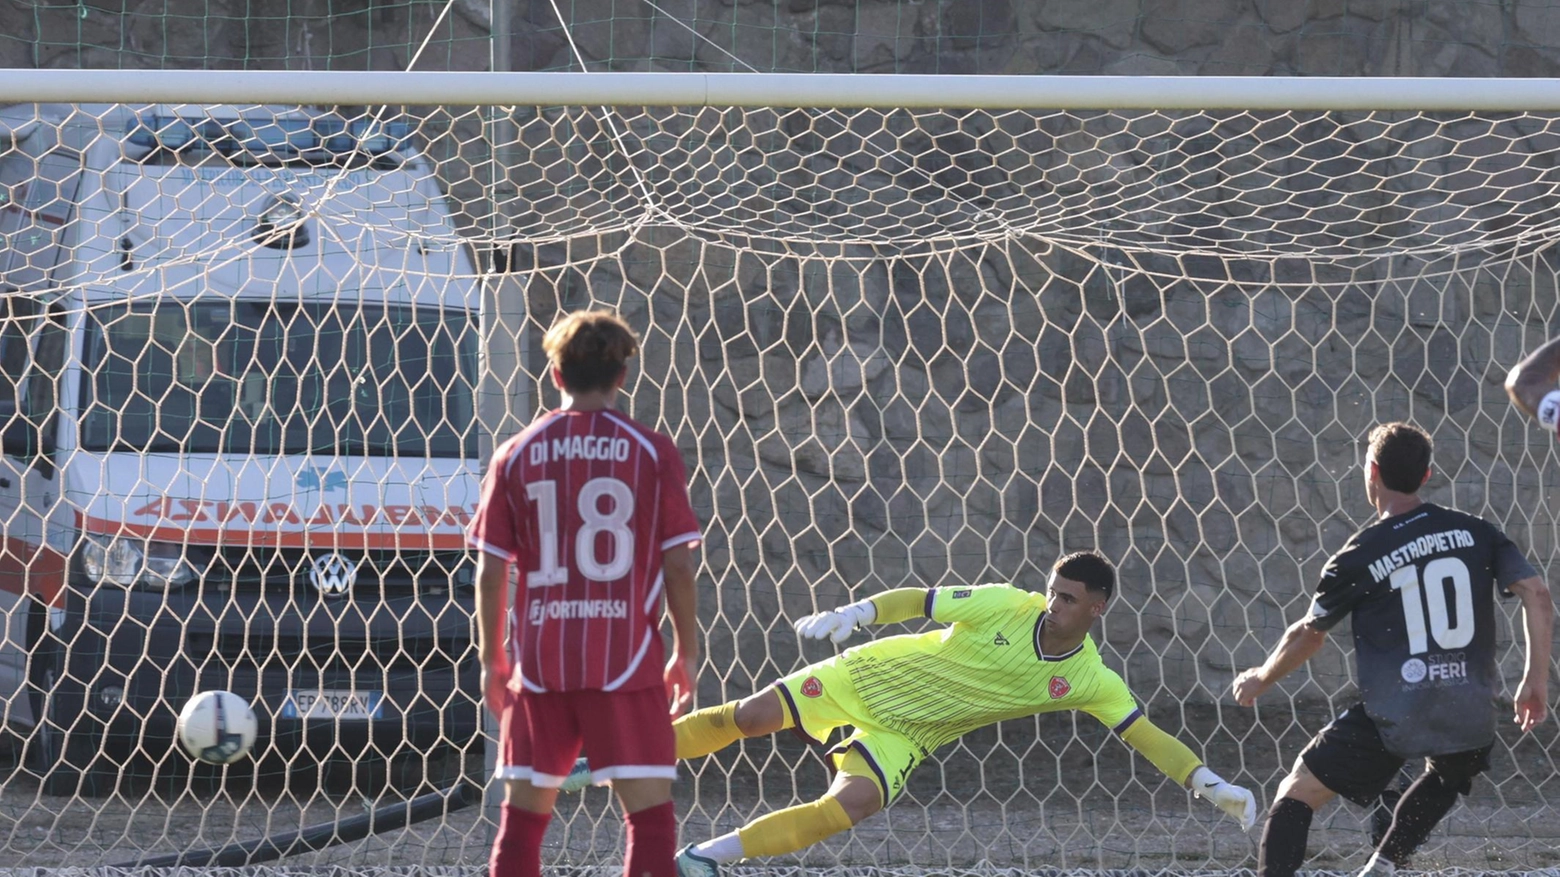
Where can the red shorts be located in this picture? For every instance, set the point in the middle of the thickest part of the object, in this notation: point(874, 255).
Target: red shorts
point(626, 735)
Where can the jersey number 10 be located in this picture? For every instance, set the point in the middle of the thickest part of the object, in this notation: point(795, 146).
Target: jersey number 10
point(593, 522)
point(1438, 572)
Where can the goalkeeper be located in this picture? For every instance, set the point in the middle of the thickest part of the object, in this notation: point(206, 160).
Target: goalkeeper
point(1007, 653)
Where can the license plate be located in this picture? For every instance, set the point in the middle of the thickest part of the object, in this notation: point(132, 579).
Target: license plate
point(332, 703)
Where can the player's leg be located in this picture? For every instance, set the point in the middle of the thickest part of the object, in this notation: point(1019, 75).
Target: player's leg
point(714, 728)
point(1345, 758)
point(806, 701)
point(628, 737)
point(855, 794)
point(522, 823)
point(1424, 805)
point(1381, 814)
point(848, 801)
point(709, 730)
point(650, 822)
point(1300, 795)
point(814, 701)
point(530, 766)
point(860, 789)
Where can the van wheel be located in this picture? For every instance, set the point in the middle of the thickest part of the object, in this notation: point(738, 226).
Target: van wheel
point(38, 663)
point(70, 759)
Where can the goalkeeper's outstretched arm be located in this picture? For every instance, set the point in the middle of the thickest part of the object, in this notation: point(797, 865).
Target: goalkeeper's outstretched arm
point(900, 604)
point(1176, 761)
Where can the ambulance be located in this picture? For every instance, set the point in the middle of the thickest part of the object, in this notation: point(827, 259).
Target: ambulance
point(238, 366)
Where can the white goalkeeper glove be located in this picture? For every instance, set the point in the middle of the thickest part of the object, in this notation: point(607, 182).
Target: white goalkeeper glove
point(838, 624)
point(1235, 800)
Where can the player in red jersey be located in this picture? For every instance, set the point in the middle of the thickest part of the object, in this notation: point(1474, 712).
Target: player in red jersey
point(592, 508)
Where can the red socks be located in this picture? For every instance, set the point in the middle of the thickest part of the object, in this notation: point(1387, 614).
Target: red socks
point(517, 851)
point(652, 843)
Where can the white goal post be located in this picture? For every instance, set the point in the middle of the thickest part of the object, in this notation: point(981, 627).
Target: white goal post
point(881, 91)
point(260, 329)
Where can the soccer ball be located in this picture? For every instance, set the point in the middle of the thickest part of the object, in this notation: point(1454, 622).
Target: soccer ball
point(217, 727)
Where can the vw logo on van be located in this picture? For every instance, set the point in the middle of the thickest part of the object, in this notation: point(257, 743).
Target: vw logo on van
point(333, 574)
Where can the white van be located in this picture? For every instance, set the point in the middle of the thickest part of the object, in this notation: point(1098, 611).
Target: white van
point(238, 360)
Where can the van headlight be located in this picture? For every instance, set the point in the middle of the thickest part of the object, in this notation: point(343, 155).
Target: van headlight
point(133, 563)
point(282, 224)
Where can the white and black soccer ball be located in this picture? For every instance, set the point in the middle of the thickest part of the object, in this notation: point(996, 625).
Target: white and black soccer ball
point(217, 727)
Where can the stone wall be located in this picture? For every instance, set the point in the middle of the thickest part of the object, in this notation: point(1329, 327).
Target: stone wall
point(1232, 37)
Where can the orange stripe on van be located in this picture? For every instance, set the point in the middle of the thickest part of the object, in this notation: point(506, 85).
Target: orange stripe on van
point(277, 538)
point(28, 568)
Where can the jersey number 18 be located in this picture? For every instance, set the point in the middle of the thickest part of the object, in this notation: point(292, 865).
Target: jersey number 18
point(1438, 572)
point(614, 523)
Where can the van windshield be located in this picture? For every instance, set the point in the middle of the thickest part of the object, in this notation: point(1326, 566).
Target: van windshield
point(256, 377)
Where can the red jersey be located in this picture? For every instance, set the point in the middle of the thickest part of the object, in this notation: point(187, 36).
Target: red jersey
point(584, 503)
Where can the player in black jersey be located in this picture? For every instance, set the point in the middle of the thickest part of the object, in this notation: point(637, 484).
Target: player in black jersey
point(1419, 583)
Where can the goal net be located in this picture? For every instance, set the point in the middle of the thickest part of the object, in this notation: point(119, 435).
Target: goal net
point(253, 355)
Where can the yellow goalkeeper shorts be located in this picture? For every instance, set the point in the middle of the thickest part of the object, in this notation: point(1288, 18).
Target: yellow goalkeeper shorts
point(820, 698)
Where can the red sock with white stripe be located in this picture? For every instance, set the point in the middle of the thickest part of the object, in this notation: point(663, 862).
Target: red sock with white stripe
point(652, 842)
point(517, 850)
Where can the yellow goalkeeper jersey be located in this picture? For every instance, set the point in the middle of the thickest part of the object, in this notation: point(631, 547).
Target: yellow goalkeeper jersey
point(984, 667)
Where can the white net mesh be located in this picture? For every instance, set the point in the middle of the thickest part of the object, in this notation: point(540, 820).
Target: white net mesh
point(896, 348)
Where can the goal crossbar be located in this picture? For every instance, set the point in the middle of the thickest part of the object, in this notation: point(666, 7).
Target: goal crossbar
point(883, 91)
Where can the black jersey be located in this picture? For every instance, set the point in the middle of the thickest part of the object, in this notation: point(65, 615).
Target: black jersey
point(1421, 588)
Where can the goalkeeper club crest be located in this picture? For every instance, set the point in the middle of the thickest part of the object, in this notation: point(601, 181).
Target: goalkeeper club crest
point(1059, 687)
point(812, 687)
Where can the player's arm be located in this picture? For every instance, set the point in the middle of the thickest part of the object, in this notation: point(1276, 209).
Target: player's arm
point(1114, 706)
point(949, 605)
point(900, 604)
point(1300, 641)
point(1177, 761)
point(492, 601)
point(1174, 759)
point(1335, 598)
point(682, 604)
point(1538, 622)
point(679, 536)
point(1534, 378)
point(494, 536)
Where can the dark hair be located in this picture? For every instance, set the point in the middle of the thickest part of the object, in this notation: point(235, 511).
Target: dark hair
point(1091, 568)
point(1402, 453)
point(590, 348)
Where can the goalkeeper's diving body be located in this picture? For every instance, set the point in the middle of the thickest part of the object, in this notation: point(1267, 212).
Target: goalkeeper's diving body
point(1006, 653)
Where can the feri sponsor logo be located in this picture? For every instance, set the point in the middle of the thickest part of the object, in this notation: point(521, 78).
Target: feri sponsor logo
point(333, 575)
point(1450, 668)
point(1413, 671)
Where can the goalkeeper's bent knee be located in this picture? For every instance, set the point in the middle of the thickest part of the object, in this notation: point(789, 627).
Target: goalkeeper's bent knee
point(794, 828)
point(714, 728)
point(704, 731)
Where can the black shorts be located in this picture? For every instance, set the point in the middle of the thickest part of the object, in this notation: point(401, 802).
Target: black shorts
point(1350, 759)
